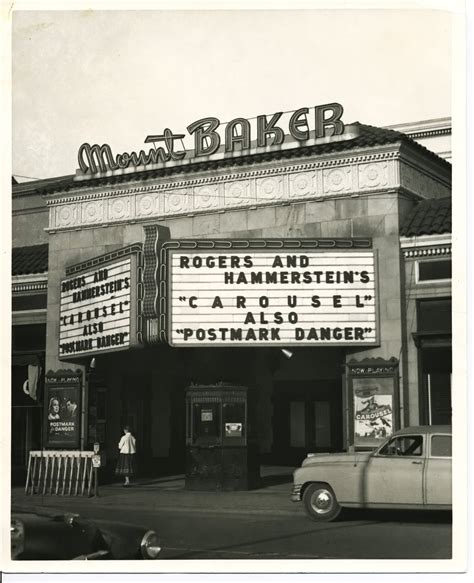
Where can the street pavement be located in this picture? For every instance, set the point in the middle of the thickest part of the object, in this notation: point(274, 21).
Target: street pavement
point(257, 524)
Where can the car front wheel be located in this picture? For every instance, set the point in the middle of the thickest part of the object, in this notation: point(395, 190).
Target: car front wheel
point(321, 503)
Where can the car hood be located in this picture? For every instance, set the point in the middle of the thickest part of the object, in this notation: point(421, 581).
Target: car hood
point(343, 457)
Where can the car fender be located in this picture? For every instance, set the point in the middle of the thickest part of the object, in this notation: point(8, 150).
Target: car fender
point(122, 540)
point(346, 478)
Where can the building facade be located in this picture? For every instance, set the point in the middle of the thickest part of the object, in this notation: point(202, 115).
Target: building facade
point(216, 266)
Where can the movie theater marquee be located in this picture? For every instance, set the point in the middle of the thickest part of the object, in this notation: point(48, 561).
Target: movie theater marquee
point(285, 296)
point(98, 309)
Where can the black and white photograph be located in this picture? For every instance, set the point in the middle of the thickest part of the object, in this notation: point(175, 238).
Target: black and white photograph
point(237, 308)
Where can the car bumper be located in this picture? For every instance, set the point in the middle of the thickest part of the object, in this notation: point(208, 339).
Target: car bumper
point(296, 493)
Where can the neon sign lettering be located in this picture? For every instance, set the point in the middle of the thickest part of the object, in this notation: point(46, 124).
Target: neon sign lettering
point(237, 137)
point(97, 158)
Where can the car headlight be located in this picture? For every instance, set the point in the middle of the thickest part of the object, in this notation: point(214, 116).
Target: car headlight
point(17, 537)
point(150, 545)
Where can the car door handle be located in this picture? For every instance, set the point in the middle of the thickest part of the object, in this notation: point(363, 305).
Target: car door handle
point(417, 462)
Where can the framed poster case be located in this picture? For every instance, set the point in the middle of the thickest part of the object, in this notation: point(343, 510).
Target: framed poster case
point(372, 401)
point(62, 410)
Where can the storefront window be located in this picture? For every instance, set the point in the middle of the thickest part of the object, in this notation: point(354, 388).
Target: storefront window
point(434, 315)
point(434, 270)
point(435, 360)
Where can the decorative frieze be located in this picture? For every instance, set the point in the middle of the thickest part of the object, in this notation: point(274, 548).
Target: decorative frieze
point(427, 252)
point(225, 191)
point(29, 287)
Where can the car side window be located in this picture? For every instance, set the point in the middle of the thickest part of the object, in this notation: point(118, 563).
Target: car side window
point(441, 446)
point(406, 445)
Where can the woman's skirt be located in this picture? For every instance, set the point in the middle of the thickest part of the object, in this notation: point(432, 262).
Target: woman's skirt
point(126, 464)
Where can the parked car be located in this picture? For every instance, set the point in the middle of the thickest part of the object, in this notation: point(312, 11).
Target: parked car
point(50, 537)
point(410, 470)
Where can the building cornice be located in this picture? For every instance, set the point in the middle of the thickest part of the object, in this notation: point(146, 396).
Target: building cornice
point(440, 124)
point(360, 172)
point(204, 178)
point(429, 133)
point(425, 240)
point(30, 284)
point(426, 246)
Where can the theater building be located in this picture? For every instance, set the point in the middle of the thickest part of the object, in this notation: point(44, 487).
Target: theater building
point(302, 257)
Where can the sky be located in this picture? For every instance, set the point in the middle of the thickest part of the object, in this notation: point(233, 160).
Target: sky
point(117, 76)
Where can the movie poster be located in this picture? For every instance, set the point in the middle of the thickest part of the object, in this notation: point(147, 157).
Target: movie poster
point(62, 415)
point(373, 410)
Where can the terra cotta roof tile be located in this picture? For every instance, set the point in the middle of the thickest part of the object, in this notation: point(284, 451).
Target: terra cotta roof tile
point(429, 217)
point(29, 260)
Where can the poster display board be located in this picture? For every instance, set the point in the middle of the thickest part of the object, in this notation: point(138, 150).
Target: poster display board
point(373, 408)
point(62, 409)
point(271, 292)
point(372, 399)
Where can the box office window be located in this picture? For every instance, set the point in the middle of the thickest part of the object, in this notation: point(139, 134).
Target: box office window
point(436, 270)
point(206, 423)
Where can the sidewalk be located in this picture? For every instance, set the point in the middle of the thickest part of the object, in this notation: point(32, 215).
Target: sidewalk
point(167, 494)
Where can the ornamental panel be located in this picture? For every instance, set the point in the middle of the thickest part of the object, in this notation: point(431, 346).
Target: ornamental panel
point(238, 194)
point(303, 185)
point(269, 189)
point(337, 180)
point(92, 212)
point(178, 202)
point(373, 175)
point(66, 216)
point(148, 204)
point(119, 208)
point(206, 197)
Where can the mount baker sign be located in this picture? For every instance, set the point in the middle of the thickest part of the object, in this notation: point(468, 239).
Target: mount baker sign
point(270, 297)
point(214, 140)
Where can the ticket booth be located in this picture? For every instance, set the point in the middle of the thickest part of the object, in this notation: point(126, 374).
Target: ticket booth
point(221, 453)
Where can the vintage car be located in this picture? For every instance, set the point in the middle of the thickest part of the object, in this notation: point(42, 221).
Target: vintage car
point(410, 470)
point(36, 536)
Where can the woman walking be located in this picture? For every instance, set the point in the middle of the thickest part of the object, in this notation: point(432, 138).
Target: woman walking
point(126, 462)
